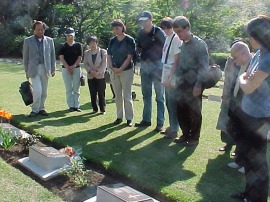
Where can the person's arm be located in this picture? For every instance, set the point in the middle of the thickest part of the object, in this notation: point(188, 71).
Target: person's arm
point(131, 51)
point(176, 51)
point(124, 65)
point(250, 83)
point(26, 57)
point(103, 66)
point(79, 59)
point(53, 59)
point(228, 70)
point(203, 64)
point(61, 57)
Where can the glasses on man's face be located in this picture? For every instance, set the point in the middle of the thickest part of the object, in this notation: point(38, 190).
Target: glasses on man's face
point(178, 30)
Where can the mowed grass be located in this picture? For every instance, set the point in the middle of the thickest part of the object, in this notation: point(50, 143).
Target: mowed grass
point(140, 154)
point(15, 186)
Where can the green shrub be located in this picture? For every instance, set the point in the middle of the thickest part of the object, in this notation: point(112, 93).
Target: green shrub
point(219, 58)
point(7, 140)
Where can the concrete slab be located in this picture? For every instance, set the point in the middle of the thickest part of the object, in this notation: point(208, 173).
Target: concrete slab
point(40, 172)
point(120, 193)
point(14, 131)
point(48, 158)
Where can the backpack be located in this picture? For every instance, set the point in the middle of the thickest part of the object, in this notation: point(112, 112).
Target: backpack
point(26, 92)
point(213, 75)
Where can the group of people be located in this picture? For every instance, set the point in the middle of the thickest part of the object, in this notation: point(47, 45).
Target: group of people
point(175, 62)
point(244, 119)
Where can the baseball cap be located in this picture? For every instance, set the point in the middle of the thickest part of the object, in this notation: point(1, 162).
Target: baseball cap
point(70, 31)
point(145, 15)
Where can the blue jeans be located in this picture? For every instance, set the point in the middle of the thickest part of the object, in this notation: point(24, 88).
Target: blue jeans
point(171, 104)
point(151, 74)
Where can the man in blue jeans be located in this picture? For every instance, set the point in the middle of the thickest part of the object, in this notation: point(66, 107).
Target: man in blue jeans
point(150, 44)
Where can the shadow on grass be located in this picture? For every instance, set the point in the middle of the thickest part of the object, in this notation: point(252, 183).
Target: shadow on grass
point(213, 188)
point(149, 163)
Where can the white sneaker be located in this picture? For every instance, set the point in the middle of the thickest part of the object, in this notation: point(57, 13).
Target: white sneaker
point(241, 170)
point(233, 165)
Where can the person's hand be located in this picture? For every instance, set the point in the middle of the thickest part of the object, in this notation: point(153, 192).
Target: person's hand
point(70, 69)
point(117, 70)
point(93, 73)
point(251, 76)
point(53, 74)
point(197, 91)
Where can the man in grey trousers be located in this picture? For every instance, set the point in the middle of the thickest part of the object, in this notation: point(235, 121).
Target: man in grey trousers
point(39, 65)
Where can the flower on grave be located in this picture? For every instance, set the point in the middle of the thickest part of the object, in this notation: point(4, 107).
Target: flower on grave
point(5, 115)
point(68, 150)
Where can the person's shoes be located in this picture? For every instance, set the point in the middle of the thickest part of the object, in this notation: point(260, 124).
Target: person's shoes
point(103, 113)
point(159, 127)
point(43, 113)
point(33, 114)
point(77, 109)
point(170, 135)
point(192, 142)
point(117, 121)
point(71, 109)
point(129, 123)
point(143, 124)
point(240, 196)
point(241, 170)
point(180, 139)
point(167, 131)
point(233, 165)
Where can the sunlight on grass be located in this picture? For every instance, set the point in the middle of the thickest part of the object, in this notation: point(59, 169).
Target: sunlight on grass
point(142, 155)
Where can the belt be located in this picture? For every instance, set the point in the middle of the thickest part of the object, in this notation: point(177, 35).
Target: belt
point(78, 66)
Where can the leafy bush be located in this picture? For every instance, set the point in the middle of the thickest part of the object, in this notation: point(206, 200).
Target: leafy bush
point(220, 59)
point(7, 140)
point(28, 141)
point(76, 171)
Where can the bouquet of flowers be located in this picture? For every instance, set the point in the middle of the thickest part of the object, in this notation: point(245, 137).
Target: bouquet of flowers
point(4, 115)
point(68, 150)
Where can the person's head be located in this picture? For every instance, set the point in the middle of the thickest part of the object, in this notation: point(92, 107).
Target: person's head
point(145, 20)
point(240, 53)
point(92, 42)
point(166, 25)
point(118, 27)
point(181, 26)
point(258, 30)
point(70, 33)
point(39, 28)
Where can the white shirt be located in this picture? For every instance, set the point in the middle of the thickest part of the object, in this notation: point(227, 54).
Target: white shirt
point(174, 49)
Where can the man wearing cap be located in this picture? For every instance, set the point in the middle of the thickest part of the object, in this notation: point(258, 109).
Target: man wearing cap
point(150, 44)
point(191, 70)
point(71, 55)
point(39, 65)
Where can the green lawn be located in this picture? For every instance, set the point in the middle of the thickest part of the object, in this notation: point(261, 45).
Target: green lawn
point(15, 186)
point(180, 173)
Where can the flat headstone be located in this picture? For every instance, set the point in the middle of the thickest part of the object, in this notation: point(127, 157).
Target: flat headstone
point(37, 170)
point(45, 162)
point(120, 193)
point(48, 158)
point(13, 130)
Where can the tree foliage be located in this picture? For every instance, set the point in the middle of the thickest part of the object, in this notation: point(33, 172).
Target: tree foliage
point(216, 21)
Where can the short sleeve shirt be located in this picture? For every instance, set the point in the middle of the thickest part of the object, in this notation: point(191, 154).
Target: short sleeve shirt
point(119, 50)
point(174, 49)
point(257, 104)
point(71, 53)
point(151, 44)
